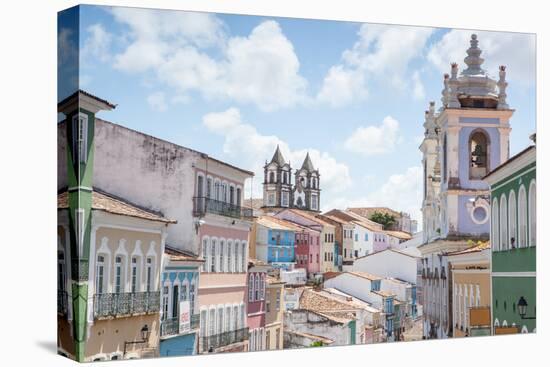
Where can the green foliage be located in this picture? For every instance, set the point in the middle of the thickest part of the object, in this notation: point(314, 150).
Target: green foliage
point(317, 344)
point(385, 219)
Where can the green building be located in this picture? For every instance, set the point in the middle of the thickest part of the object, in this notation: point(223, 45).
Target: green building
point(513, 242)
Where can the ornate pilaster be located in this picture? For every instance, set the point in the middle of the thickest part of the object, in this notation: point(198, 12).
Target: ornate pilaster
point(502, 84)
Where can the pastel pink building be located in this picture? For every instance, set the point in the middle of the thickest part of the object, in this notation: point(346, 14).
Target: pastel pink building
point(256, 304)
point(223, 228)
point(381, 241)
point(308, 250)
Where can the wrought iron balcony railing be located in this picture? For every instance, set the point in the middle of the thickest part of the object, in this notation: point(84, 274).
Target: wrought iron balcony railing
point(62, 302)
point(203, 205)
point(172, 327)
point(210, 343)
point(125, 304)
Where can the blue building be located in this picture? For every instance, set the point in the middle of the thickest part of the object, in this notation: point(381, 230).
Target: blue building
point(180, 318)
point(275, 239)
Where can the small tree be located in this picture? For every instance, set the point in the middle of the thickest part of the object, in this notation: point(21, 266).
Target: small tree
point(317, 344)
point(385, 219)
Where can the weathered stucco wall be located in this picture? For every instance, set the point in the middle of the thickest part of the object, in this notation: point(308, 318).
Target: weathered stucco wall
point(149, 172)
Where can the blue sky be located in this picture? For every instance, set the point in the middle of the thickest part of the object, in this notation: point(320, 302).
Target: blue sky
point(351, 94)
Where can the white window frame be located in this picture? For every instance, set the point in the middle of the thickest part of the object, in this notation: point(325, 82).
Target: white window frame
point(532, 212)
point(503, 223)
point(522, 217)
point(512, 219)
point(495, 231)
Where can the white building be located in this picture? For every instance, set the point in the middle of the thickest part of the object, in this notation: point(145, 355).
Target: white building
point(390, 263)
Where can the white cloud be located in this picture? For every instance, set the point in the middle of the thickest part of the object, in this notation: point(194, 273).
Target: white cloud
point(97, 44)
point(245, 144)
point(260, 69)
point(418, 91)
point(342, 86)
point(401, 191)
point(157, 101)
point(375, 140)
point(382, 52)
point(515, 50)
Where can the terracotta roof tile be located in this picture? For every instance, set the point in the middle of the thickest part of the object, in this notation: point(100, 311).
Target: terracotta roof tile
point(104, 202)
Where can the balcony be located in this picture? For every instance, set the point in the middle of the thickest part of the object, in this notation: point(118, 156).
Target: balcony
point(172, 326)
point(62, 301)
point(203, 205)
point(210, 343)
point(125, 304)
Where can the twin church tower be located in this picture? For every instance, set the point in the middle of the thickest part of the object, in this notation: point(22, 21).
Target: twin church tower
point(280, 192)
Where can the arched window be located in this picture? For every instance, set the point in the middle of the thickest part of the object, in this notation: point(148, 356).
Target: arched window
point(213, 257)
point(257, 287)
point(205, 254)
point(217, 193)
point(243, 260)
point(503, 224)
point(262, 287)
point(494, 226)
point(532, 213)
point(209, 187)
point(479, 147)
point(271, 177)
point(522, 216)
point(445, 158)
point(251, 286)
point(200, 186)
point(223, 264)
point(230, 265)
point(237, 258)
point(512, 220)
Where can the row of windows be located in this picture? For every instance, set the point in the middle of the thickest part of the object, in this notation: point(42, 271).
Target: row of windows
point(284, 175)
point(281, 252)
point(348, 233)
point(466, 296)
point(329, 237)
point(122, 282)
point(303, 239)
point(220, 191)
point(224, 256)
point(329, 256)
point(303, 259)
point(285, 199)
point(222, 318)
point(514, 222)
point(256, 287)
point(172, 295)
point(366, 237)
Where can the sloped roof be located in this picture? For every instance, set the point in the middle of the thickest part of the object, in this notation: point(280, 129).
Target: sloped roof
point(105, 202)
point(326, 305)
point(180, 255)
point(308, 165)
point(399, 234)
point(323, 339)
point(278, 157)
point(365, 275)
point(476, 248)
point(276, 223)
point(311, 216)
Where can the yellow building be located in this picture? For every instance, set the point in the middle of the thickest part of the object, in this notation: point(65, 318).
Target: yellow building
point(122, 316)
point(471, 293)
point(274, 313)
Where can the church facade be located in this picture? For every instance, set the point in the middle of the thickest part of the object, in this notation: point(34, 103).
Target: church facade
point(279, 190)
point(464, 140)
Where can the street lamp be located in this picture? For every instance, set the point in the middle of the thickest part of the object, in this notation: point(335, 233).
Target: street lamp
point(145, 333)
point(144, 338)
point(522, 309)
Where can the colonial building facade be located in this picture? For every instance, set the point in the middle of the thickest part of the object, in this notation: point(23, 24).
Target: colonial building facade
point(514, 241)
point(463, 141)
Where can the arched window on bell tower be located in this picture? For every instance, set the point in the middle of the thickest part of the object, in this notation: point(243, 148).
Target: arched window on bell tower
point(479, 158)
point(445, 168)
point(271, 177)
